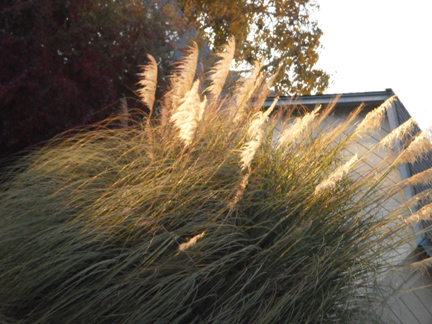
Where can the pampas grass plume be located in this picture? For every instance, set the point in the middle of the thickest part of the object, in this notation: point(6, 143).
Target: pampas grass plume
point(220, 70)
point(249, 150)
point(256, 132)
point(417, 148)
point(334, 177)
point(422, 266)
point(184, 246)
point(260, 118)
point(291, 133)
point(373, 119)
point(245, 91)
point(423, 214)
point(181, 81)
point(422, 178)
point(148, 83)
point(187, 115)
point(398, 134)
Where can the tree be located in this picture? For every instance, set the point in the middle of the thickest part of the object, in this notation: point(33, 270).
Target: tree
point(279, 30)
point(67, 62)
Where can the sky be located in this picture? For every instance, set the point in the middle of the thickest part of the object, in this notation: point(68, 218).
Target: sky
point(372, 45)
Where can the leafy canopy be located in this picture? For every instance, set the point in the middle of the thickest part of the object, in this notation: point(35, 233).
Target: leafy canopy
point(280, 30)
point(69, 61)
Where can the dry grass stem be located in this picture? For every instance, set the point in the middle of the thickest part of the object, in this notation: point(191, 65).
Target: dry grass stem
point(124, 112)
point(239, 192)
point(202, 108)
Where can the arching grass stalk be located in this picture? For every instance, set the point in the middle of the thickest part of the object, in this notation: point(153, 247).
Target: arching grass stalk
point(150, 223)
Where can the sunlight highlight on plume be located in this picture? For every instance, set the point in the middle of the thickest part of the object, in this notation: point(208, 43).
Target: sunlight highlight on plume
point(416, 150)
point(398, 134)
point(245, 90)
point(293, 132)
point(337, 175)
point(256, 132)
point(220, 70)
point(423, 214)
point(373, 119)
point(148, 83)
point(184, 246)
point(187, 115)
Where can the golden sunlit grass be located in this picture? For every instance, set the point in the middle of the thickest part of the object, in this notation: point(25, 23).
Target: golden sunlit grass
point(198, 215)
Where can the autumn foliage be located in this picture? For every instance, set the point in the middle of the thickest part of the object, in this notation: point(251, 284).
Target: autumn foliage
point(282, 31)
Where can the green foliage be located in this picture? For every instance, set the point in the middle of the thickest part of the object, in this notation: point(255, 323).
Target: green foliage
point(280, 30)
point(136, 224)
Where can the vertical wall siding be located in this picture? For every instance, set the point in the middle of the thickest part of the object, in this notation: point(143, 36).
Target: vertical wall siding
point(417, 167)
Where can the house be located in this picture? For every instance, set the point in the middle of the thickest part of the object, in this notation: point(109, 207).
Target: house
point(413, 305)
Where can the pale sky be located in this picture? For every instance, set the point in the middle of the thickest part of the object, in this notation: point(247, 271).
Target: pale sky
point(371, 45)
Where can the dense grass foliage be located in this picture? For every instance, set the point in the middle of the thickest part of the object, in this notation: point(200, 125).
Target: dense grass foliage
point(200, 214)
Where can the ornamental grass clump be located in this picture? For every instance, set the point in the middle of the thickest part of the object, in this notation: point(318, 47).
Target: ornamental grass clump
point(199, 214)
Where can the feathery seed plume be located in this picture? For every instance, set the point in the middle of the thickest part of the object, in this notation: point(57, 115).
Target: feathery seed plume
point(398, 134)
point(220, 70)
point(417, 148)
point(335, 176)
point(296, 129)
point(260, 118)
point(421, 266)
point(263, 87)
point(182, 79)
point(424, 177)
point(246, 90)
point(148, 83)
point(191, 242)
point(414, 200)
point(186, 117)
point(373, 119)
point(256, 132)
point(423, 214)
point(249, 150)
